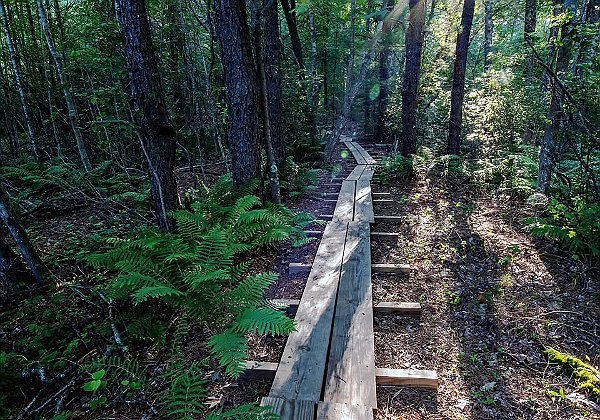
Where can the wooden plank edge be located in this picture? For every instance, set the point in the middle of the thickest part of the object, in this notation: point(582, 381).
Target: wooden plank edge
point(405, 308)
point(383, 376)
point(390, 268)
point(385, 235)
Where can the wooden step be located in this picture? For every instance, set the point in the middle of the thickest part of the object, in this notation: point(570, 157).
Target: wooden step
point(390, 268)
point(417, 378)
point(286, 409)
point(381, 193)
point(389, 235)
point(389, 218)
point(403, 308)
point(313, 232)
point(383, 200)
point(296, 268)
point(407, 377)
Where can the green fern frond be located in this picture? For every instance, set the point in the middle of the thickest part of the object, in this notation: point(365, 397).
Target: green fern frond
point(148, 328)
point(230, 349)
point(186, 393)
point(263, 321)
point(251, 290)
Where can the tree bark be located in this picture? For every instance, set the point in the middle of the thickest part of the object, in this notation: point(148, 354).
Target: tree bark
point(458, 78)
point(156, 133)
point(384, 76)
point(293, 31)
point(64, 81)
point(264, 100)
point(272, 58)
point(12, 222)
point(20, 86)
point(528, 31)
point(549, 148)
point(313, 86)
point(489, 33)
point(242, 89)
point(412, 72)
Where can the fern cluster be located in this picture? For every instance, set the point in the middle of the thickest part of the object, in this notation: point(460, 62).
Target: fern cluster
point(575, 225)
point(200, 271)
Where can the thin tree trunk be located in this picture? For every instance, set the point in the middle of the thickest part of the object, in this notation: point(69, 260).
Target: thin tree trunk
point(20, 86)
point(313, 86)
point(458, 78)
point(264, 101)
point(156, 133)
point(489, 32)
point(549, 147)
point(71, 105)
point(12, 222)
point(272, 60)
point(528, 32)
point(384, 77)
point(293, 31)
point(412, 72)
point(242, 89)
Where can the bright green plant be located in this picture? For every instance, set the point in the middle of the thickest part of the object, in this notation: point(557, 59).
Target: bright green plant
point(198, 269)
point(586, 375)
point(576, 225)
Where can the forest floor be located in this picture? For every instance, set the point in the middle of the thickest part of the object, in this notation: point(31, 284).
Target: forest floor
point(493, 297)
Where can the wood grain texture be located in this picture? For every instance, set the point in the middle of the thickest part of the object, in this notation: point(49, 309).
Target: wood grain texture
point(406, 308)
point(302, 366)
point(297, 268)
point(344, 210)
point(384, 235)
point(391, 268)
point(407, 377)
point(290, 409)
point(389, 218)
point(327, 411)
point(363, 206)
point(356, 173)
point(351, 366)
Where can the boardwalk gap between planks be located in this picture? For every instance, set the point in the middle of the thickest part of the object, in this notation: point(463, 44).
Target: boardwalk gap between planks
point(327, 370)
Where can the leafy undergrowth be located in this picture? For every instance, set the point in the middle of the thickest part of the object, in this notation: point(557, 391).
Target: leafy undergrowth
point(159, 320)
point(493, 296)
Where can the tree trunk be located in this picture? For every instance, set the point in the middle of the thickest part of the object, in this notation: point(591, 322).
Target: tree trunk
point(156, 133)
point(528, 31)
point(64, 81)
point(549, 147)
point(242, 89)
point(293, 31)
point(20, 86)
point(458, 78)
point(12, 222)
point(264, 99)
point(384, 77)
point(489, 32)
point(412, 72)
point(313, 86)
point(272, 56)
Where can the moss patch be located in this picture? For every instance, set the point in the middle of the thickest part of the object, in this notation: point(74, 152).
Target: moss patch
point(587, 376)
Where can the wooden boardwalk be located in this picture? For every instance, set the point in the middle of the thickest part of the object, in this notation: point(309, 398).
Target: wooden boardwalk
point(327, 370)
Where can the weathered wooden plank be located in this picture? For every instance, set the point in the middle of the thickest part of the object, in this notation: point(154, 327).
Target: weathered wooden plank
point(313, 232)
point(390, 268)
point(297, 268)
point(389, 218)
point(381, 200)
point(358, 156)
point(356, 173)
point(327, 411)
point(407, 377)
point(302, 367)
point(260, 370)
point(389, 235)
point(382, 193)
point(365, 155)
point(325, 216)
point(363, 206)
point(350, 375)
point(405, 308)
point(368, 173)
point(290, 409)
point(344, 210)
